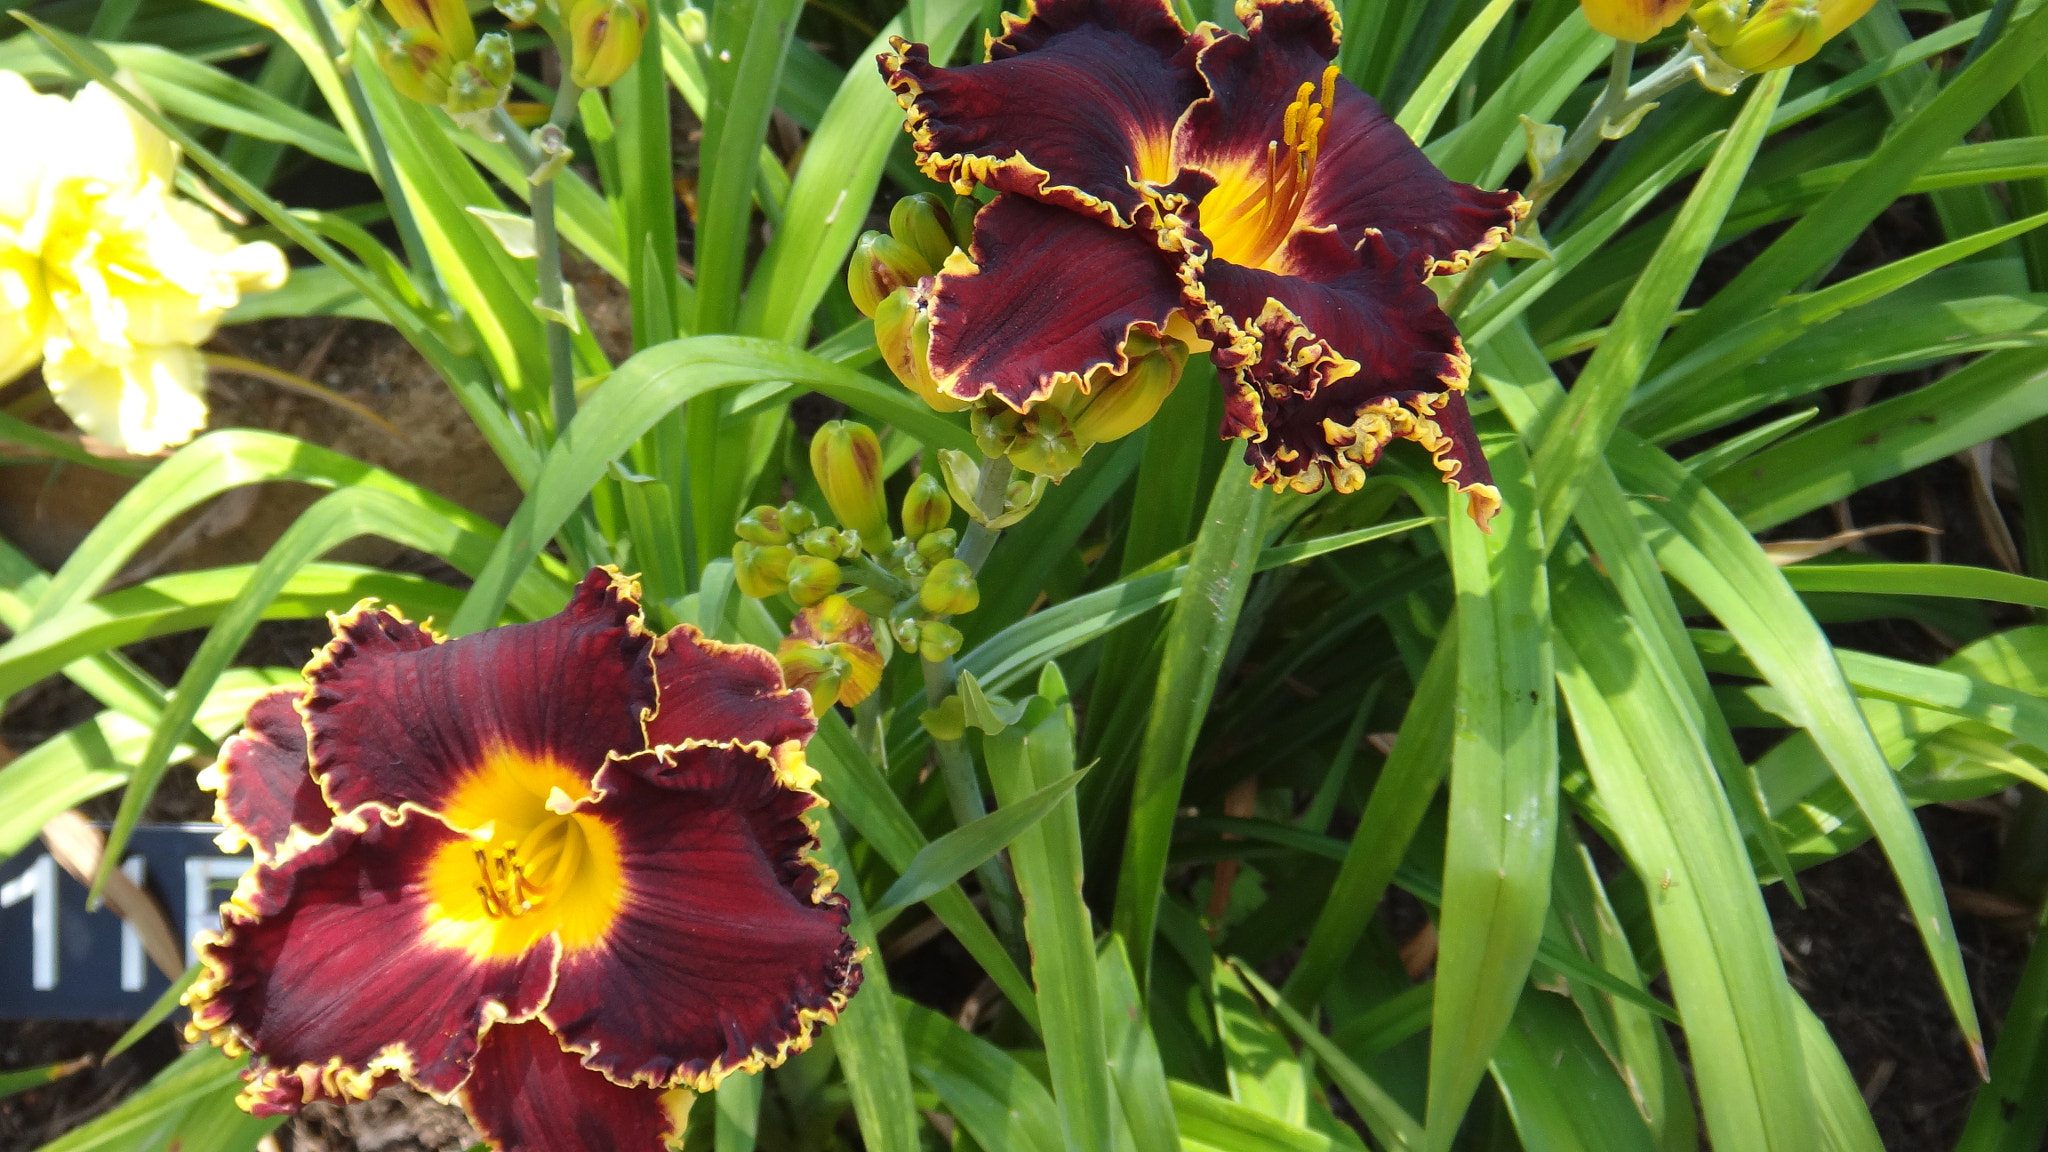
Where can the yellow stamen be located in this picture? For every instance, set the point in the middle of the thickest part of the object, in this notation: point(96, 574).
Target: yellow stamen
point(1250, 221)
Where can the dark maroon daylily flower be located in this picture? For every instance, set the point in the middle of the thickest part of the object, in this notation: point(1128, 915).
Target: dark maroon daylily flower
point(557, 872)
point(1232, 191)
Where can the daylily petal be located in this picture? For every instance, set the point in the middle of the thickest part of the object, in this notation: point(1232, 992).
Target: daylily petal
point(1366, 174)
point(528, 1095)
point(1346, 364)
point(1048, 296)
point(1074, 105)
point(24, 308)
point(726, 949)
point(730, 693)
point(152, 398)
point(264, 795)
point(34, 121)
point(478, 725)
point(330, 970)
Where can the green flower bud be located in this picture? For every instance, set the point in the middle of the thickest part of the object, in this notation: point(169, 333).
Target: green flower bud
point(469, 90)
point(922, 223)
point(880, 265)
point(812, 578)
point(493, 58)
point(965, 208)
point(696, 28)
point(933, 547)
point(604, 39)
point(797, 519)
point(937, 640)
point(448, 19)
point(949, 589)
point(914, 567)
point(926, 507)
point(761, 570)
point(996, 426)
point(1120, 405)
point(903, 333)
point(519, 11)
point(846, 459)
point(1046, 445)
point(417, 62)
point(762, 525)
point(823, 542)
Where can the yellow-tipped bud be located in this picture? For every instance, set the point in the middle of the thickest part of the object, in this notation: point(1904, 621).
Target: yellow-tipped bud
point(1046, 445)
point(604, 40)
point(448, 19)
point(823, 542)
point(761, 525)
point(926, 507)
point(1782, 33)
point(903, 333)
point(949, 589)
point(417, 62)
point(880, 265)
point(797, 519)
point(922, 223)
point(846, 459)
point(1120, 405)
point(936, 640)
point(812, 578)
point(934, 547)
point(1721, 20)
point(1837, 15)
point(1632, 20)
point(761, 570)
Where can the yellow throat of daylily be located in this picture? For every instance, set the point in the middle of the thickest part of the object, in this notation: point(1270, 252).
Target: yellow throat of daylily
point(1251, 211)
point(532, 864)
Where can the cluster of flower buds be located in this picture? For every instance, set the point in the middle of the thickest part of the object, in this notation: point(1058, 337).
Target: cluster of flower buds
point(434, 56)
point(1747, 35)
point(913, 581)
point(786, 550)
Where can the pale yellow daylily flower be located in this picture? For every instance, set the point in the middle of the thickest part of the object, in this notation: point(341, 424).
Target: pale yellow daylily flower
point(106, 276)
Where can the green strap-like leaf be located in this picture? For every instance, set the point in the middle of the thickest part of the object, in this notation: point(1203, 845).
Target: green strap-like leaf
point(938, 864)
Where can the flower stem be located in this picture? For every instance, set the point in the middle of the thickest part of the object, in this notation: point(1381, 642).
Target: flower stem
point(426, 277)
point(1618, 101)
point(541, 156)
point(870, 574)
point(979, 538)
